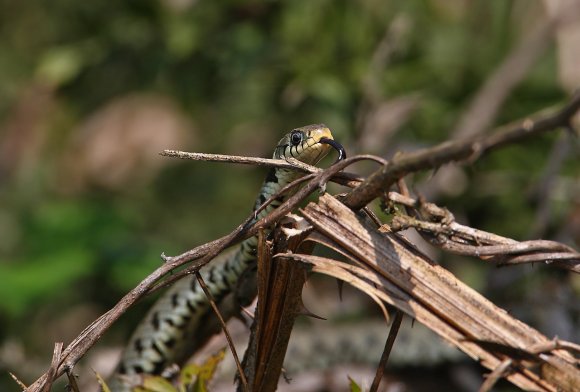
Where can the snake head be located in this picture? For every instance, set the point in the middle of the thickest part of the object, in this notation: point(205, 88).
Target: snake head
point(308, 144)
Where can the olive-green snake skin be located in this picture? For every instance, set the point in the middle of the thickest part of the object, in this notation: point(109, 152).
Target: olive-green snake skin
point(181, 320)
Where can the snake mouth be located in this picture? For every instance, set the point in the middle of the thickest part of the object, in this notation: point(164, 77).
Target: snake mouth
point(336, 145)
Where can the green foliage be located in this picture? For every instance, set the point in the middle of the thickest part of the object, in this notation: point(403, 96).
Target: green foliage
point(354, 387)
point(102, 383)
point(195, 378)
point(26, 285)
point(192, 378)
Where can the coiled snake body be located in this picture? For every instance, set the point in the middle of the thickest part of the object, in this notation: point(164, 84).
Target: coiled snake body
point(172, 329)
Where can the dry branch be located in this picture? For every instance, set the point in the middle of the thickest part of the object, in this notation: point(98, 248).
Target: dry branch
point(397, 320)
point(279, 302)
point(347, 179)
point(437, 226)
point(393, 270)
point(53, 366)
point(216, 311)
point(431, 158)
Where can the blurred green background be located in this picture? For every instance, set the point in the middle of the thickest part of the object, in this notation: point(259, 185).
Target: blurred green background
point(91, 91)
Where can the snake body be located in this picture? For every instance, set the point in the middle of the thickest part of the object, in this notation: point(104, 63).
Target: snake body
point(181, 320)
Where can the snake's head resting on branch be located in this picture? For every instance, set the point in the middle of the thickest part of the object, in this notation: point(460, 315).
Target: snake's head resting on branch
point(308, 144)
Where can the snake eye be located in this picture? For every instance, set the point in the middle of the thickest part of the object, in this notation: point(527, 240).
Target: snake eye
point(296, 137)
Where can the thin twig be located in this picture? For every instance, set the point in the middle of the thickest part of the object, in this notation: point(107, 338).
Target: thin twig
point(497, 373)
point(72, 381)
point(17, 381)
point(387, 350)
point(555, 344)
point(225, 329)
point(348, 179)
point(545, 257)
point(502, 369)
point(280, 163)
point(56, 353)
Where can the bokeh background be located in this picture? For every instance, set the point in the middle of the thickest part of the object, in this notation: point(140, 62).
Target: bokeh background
point(91, 91)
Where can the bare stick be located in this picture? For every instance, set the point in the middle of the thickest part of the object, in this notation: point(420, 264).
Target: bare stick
point(53, 366)
point(17, 381)
point(281, 163)
point(565, 260)
point(72, 381)
point(225, 329)
point(387, 350)
point(555, 344)
point(348, 179)
point(497, 373)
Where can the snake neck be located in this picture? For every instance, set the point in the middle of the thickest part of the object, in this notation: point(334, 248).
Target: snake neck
point(182, 320)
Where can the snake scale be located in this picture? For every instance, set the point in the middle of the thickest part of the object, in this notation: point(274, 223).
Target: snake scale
point(181, 320)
